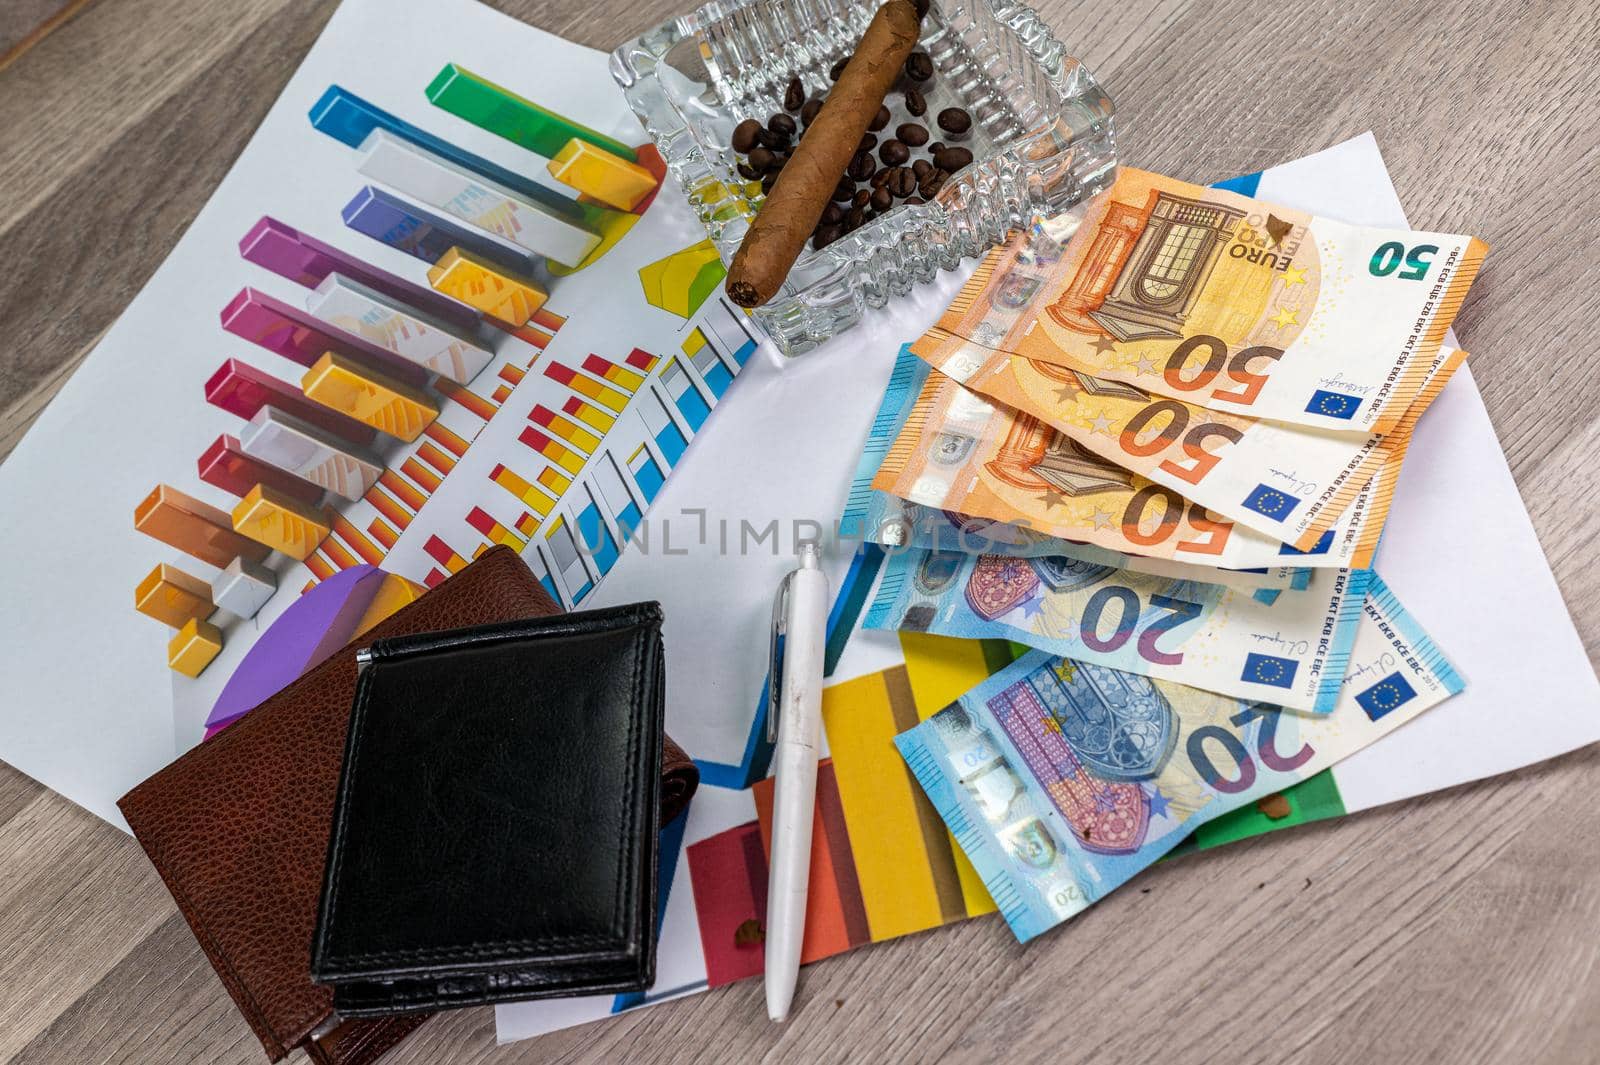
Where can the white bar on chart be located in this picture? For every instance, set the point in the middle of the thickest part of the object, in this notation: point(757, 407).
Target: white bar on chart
point(243, 588)
point(306, 451)
point(472, 198)
point(391, 325)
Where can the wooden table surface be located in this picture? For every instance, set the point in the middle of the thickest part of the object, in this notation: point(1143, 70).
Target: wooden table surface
point(1463, 926)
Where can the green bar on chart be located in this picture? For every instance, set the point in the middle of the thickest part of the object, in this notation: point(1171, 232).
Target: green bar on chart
point(505, 114)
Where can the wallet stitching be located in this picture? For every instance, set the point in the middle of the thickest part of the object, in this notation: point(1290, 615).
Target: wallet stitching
point(474, 950)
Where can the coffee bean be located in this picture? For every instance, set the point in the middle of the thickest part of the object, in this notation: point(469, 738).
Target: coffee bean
point(956, 122)
point(880, 119)
point(838, 68)
point(921, 7)
point(854, 219)
point(826, 234)
point(861, 198)
point(748, 172)
point(919, 66)
point(809, 111)
point(762, 159)
point(935, 148)
point(904, 182)
point(912, 134)
point(794, 95)
point(778, 159)
point(768, 139)
point(921, 169)
point(913, 201)
point(744, 136)
point(932, 183)
point(952, 159)
point(883, 176)
point(767, 181)
point(882, 200)
point(782, 125)
point(844, 190)
point(832, 214)
point(893, 153)
point(868, 142)
point(916, 103)
point(861, 166)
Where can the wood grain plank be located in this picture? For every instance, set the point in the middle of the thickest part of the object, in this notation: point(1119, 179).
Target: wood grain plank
point(1456, 927)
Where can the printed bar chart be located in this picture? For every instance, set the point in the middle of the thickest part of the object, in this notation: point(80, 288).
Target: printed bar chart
point(564, 457)
point(541, 502)
point(172, 596)
point(197, 529)
point(306, 261)
point(416, 337)
point(299, 336)
point(587, 387)
point(225, 465)
point(369, 397)
point(505, 114)
point(531, 223)
point(306, 451)
point(425, 234)
point(241, 389)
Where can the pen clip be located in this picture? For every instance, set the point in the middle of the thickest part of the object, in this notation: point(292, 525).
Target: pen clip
point(780, 620)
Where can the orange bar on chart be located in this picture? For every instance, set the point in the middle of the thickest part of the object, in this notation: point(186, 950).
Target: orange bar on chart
point(383, 532)
point(587, 387)
point(486, 287)
point(407, 495)
point(173, 597)
point(549, 478)
point(466, 397)
point(443, 554)
point(436, 458)
point(595, 172)
point(565, 428)
point(370, 552)
point(193, 648)
point(370, 397)
point(589, 414)
point(523, 490)
point(480, 520)
point(195, 528)
point(620, 376)
point(451, 442)
point(420, 474)
point(568, 460)
point(512, 375)
point(281, 523)
point(527, 525)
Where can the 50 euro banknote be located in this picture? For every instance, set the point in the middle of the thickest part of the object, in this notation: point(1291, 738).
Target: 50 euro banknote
point(1291, 482)
point(1290, 650)
point(1221, 300)
point(960, 452)
point(881, 518)
point(1062, 780)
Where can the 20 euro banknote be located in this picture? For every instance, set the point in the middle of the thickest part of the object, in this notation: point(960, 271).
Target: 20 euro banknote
point(1061, 780)
point(960, 452)
point(1290, 650)
point(881, 518)
point(1222, 300)
point(1291, 482)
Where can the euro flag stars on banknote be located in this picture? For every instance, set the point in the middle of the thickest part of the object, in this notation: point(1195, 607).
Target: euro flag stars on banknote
point(1291, 651)
point(1061, 779)
point(957, 451)
point(1225, 302)
point(881, 518)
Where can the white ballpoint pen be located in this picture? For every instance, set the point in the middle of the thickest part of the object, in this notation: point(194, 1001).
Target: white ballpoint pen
point(794, 717)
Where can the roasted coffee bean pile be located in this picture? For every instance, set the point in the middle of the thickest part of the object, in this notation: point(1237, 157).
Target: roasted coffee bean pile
point(882, 171)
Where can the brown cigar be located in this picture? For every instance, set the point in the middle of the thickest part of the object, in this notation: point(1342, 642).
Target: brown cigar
point(792, 209)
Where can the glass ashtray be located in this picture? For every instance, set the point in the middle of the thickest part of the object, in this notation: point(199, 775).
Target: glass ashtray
point(1041, 138)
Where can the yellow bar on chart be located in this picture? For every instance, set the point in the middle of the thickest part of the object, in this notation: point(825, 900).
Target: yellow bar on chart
point(485, 287)
point(282, 523)
point(369, 397)
point(523, 490)
point(193, 648)
point(595, 172)
point(173, 597)
point(393, 593)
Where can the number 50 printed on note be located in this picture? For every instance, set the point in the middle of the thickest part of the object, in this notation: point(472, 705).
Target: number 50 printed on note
point(1062, 780)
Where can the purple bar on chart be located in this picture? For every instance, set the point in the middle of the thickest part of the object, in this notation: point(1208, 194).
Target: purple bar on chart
point(297, 335)
point(239, 388)
point(307, 261)
point(318, 624)
point(424, 234)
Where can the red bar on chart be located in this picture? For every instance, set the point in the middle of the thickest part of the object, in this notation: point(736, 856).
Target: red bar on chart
point(567, 429)
point(225, 465)
point(480, 520)
point(195, 528)
point(567, 459)
point(512, 482)
point(442, 553)
point(588, 387)
point(527, 525)
point(589, 414)
point(642, 360)
point(466, 397)
point(623, 378)
point(239, 388)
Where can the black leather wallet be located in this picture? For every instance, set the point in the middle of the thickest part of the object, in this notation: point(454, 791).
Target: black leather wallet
point(495, 831)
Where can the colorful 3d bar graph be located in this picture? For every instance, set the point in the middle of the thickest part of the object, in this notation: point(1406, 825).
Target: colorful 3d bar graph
point(193, 648)
point(306, 451)
point(414, 336)
point(481, 284)
point(307, 261)
point(193, 527)
point(457, 191)
point(303, 338)
point(243, 588)
point(369, 397)
point(520, 121)
point(602, 175)
point(241, 389)
point(425, 234)
point(173, 597)
point(225, 465)
point(279, 522)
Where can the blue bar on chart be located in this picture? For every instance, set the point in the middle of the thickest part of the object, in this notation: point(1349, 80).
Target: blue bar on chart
point(681, 387)
point(594, 533)
point(626, 509)
point(566, 563)
point(553, 231)
point(664, 430)
point(307, 261)
point(425, 234)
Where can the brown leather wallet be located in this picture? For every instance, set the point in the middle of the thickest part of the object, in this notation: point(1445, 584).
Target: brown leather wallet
point(238, 827)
